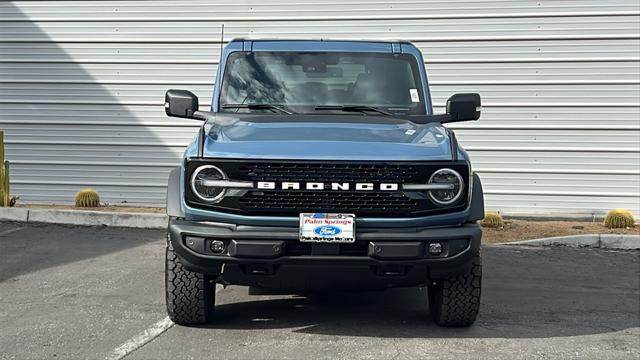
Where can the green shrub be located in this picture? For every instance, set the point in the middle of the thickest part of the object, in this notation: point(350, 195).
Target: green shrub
point(619, 218)
point(492, 220)
point(87, 198)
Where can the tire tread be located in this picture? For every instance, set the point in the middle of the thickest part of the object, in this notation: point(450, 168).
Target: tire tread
point(455, 301)
point(188, 294)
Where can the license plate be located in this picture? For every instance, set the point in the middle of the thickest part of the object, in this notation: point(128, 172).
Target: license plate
point(327, 228)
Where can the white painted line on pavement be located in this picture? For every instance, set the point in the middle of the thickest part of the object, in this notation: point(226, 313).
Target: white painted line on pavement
point(145, 337)
point(141, 339)
point(7, 232)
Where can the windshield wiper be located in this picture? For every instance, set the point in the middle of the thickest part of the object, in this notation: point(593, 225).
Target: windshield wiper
point(260, 106)
point(360, 108)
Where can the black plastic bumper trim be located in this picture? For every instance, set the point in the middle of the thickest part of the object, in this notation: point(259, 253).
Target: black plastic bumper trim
point(438, 267)
point(388, 250)
point(256, 249)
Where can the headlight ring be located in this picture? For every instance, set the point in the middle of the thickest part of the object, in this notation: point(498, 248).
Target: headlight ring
point(200, 176)
point(446, 176)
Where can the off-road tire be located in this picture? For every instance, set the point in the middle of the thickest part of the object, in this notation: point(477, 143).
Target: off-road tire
point(190, 296)
point(456, 301)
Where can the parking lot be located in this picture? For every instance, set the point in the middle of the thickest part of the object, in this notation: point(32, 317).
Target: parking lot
point(96, 293)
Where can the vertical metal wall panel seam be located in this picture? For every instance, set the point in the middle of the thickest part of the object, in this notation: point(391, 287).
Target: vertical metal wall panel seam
point(86, 82)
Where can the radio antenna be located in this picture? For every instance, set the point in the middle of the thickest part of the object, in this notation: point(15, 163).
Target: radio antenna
point(221, 38)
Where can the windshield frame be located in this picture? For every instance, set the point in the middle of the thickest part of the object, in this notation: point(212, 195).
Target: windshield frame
point(411, 54)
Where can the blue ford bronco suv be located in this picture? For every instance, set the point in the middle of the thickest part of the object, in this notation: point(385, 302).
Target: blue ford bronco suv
point(320, 165)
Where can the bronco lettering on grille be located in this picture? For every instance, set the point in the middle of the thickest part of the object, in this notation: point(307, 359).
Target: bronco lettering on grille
point(336, 186)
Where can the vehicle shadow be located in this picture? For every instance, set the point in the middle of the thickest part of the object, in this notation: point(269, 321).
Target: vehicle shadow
point(31, 247)
point(527, 293)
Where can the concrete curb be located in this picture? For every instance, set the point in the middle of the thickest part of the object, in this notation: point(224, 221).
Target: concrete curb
point(14, 214)
point(604, 241)
point(85, 218)
point(159, 221)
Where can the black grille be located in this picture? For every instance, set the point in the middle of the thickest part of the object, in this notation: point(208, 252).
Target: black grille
point(354, 201)
point(353, 172)
point(277, 202)
point(325, 200)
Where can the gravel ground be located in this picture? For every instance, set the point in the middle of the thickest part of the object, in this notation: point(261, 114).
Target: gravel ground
point(81, 292)
point(515, 230)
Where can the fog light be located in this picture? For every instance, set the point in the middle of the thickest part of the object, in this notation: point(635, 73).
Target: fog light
point(217, 246)
point(435, 248)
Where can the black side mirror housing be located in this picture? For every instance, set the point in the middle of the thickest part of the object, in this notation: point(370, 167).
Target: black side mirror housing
point(180, 103)
point(463, 107)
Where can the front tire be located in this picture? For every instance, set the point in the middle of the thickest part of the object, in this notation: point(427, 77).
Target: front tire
point(190, 297)
point(455, 301)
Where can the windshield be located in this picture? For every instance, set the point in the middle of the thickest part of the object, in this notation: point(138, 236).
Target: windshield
point(303, 81)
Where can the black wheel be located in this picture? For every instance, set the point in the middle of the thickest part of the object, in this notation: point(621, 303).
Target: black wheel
point(190, 296)
point(456, 301)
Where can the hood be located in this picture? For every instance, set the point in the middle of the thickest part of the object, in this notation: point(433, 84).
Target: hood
point(324, 137)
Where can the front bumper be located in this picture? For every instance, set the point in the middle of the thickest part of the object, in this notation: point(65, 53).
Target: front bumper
point(273, 257)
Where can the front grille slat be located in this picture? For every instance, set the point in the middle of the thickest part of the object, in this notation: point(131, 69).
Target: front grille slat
point(324, 201)
point(328, 172)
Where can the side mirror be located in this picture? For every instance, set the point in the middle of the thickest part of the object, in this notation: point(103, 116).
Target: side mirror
point(180, 103)
point(463, 107)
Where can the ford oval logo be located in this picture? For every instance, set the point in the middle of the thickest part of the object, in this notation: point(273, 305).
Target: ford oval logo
point(327, 230)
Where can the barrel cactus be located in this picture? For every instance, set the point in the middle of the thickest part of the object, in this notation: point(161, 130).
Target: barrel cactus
point(619, 218)
point(492, 220)
point(87, 198)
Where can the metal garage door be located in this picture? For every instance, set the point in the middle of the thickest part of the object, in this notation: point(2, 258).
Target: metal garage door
point(82, 83)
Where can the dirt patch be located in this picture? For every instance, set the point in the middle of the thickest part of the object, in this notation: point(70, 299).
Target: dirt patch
point(132, 209)
point(515, 230)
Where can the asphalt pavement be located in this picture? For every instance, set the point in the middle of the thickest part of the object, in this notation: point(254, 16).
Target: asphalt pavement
point(90, 292)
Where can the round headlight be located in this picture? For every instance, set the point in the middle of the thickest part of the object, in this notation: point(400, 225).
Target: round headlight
point(199, 185)
point(448, 177)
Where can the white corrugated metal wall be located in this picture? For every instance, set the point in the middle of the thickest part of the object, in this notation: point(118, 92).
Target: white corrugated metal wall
point(82, 84)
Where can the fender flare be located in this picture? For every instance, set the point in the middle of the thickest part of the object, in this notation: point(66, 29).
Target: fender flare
point(174, 201)
point(476, 210)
